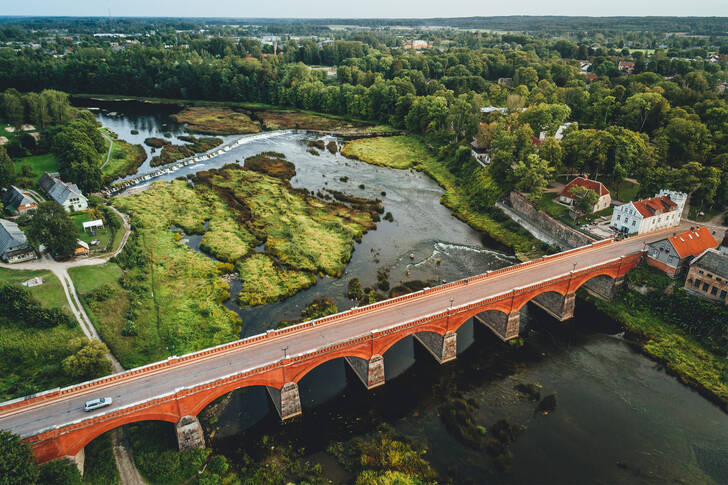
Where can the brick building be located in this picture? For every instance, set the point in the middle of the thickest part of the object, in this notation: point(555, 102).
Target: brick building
point(708, 274)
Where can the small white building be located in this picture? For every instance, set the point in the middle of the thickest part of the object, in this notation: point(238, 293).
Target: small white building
point(641, 216)
point(604, 200)
point(95, 225)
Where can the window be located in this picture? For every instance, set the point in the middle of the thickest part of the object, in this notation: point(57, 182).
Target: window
point(714, 291)
point(723, 294)
point(618, 217)
point(697, 283)
point(718, 279)
point(705, 287)
point(710, 275)
point(700, 271)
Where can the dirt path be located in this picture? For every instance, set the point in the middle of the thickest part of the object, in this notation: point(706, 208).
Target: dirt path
point(111, 145)
point(128, 473)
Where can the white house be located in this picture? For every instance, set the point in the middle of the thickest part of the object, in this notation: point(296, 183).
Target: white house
point(660, 212)
point(68, 195)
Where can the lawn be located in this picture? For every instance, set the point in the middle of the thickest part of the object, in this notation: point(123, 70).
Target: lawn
point(39, 164)
point(102, 235)
point(410, 151)
point(625, 191)
point(550, 206)
point(30, 358)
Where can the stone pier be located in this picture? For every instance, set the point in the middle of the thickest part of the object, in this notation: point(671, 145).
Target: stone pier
point(370, 372)
point(442, 347)
point(561, 307)
point(603, 286)
point(79, 459)
point(286, 400)
point(189, 434)
point(504, 326)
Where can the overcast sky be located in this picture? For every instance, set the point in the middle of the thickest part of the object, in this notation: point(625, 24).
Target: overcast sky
point(358, 8)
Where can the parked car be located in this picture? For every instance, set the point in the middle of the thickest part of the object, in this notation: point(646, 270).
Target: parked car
point(100, 402)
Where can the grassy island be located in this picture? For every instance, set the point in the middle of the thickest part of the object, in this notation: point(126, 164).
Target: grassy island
point(216, 120)
point(125, 160)
point(160, 298)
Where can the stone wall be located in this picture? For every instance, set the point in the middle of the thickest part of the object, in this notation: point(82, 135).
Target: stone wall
point(566, 236)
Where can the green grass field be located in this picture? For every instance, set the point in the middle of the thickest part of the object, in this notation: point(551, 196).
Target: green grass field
point(394, 152)
point(102, 235)
point(625, 191)
point(39, 164)
point(30, 359)
point(125, 160)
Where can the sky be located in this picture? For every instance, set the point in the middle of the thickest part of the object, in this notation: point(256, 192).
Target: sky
point(362, 9)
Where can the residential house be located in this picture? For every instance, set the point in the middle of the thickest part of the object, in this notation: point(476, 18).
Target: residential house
point(68, 195)
point(18, 201)
point(626, 66)
point(14, 246)
point(605, 199)
point(641, 216)
point(708, 274)
point(673, 254)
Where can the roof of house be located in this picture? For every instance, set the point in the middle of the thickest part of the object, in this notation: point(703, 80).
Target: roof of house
point(693, 242)
point(16, 198)
point(59, 190)
point(713, 261)
point(597, 187)
point(650, 207)
point(10, 235)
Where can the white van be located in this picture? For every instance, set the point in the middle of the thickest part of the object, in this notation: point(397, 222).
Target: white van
point(101, 402)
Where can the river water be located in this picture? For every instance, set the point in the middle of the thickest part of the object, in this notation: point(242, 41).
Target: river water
point(619, 417)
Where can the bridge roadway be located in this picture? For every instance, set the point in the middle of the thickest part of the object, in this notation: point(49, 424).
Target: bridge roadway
point(34, 418)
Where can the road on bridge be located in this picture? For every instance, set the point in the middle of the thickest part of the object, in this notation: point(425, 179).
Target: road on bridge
point(32, 419)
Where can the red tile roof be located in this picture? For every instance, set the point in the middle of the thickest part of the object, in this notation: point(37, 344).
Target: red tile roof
point(597, 187)
point(650, 207)
point(692, 243)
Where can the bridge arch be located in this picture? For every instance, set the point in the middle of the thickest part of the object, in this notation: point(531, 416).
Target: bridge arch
point(309, 365)
point(600, 278)
point(383, 344)
point(87, 435)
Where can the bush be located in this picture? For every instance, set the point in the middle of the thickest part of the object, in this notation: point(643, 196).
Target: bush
point(89, 362)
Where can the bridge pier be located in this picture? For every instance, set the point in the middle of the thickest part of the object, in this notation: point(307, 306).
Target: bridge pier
point(442, 347)
point(79, 459)
point(286, 400)
point(505, 326)
point(189, 433)
point(370, 372)
point(603, 286)
point(561, 307)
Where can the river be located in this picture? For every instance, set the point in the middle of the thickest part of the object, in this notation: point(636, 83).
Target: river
point(619, 417)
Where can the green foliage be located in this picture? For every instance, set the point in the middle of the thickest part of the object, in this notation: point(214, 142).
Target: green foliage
point(18, 307)
point(52, 227)
point(17, 464)
point(7, 168)
point(171, 153)
point(533, 175)
point(59, 472)
point(89, 361)
point(99, 466)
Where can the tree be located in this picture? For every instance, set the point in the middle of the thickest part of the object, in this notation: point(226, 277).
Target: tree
point(545, 117)
point(585, 199)
point(645, 111)
point(52, 227)
point(17, 464)
point(89, 362)
point(7, 168)
point(60, 472)
point(532, 175)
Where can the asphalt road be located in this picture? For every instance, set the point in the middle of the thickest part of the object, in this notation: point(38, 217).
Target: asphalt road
point(30, 421)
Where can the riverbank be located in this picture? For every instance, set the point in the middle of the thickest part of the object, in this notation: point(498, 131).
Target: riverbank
point(681, 332)
point(402, 152)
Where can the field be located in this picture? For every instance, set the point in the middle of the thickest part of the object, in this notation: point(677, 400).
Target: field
point(102, 235)
point(30, 359)
point(216, 120)
point(410, 151)
point(172, 153)
point(287, 119)
point(264, 281)
point(125, 160)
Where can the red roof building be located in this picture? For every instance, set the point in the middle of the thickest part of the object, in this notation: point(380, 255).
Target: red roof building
point(673, 254)
point(605, 199)
point(654, 206)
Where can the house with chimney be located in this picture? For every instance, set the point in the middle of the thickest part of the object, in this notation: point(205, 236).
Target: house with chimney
point(662, 211)
point(66, 194)
point(18, 201)
point(673, 254)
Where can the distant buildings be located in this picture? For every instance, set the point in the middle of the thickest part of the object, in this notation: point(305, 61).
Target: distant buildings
point(68, 195)
point(14, 246)
point(673, 254)
point(605, 199)
point(708, 274)
point(648, 215)
point(417, 45)
point(626, 66)
point(18, 201)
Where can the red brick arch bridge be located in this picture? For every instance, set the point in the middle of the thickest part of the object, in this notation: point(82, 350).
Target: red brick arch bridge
point(177, 389)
